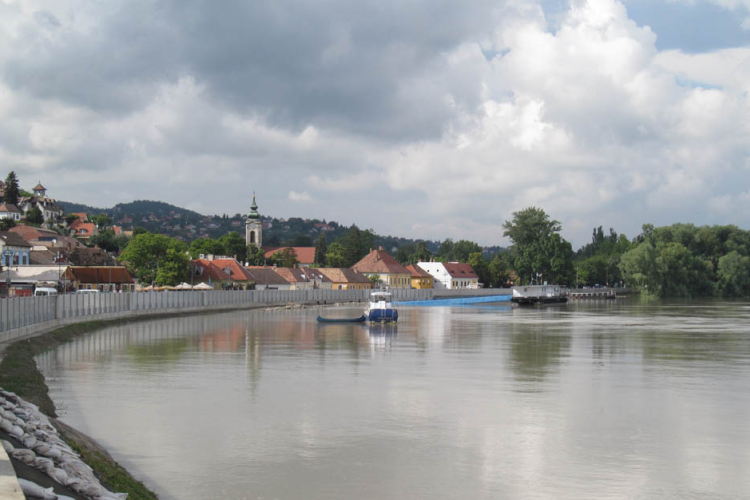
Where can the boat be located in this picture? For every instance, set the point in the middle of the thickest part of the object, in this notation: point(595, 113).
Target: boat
point(361, 319)
point(532, 295)
point(381, 308)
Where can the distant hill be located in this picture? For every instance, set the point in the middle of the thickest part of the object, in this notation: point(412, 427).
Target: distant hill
point(187, 225)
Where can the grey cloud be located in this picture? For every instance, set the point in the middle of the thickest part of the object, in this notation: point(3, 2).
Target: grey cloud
point(369, 68)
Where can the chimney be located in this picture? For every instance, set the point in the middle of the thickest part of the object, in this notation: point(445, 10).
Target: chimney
point(380, 248)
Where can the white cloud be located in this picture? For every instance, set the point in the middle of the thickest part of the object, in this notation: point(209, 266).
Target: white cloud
point(303, 196)
point(455, 130)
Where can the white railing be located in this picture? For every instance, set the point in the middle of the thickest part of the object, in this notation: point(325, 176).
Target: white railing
point(21, 316)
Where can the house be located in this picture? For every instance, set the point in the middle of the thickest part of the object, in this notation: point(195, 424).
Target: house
point(102, 278)
point(379, 264)
point(51, 211)
point(14, 250)
point(420, 279)
point(305, 255)
point(296, 277)
point(9, 211)
point(222, 273)
point(82, 230)
point(82, 216)
point(451, 275)
point(241, 279)
point(204, 271)
point(267, 279)
point(343, 278)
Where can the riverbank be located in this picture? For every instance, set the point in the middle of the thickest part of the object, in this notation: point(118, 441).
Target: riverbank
point(19, 374)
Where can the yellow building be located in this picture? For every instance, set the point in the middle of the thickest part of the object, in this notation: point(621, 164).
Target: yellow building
point(420, 279)
point(379, 263)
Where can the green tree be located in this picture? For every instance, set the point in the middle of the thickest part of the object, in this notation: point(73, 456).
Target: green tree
point(102, 221)
point(11, 194)
point(147, 252)
point(336, 255)
point(421, 254)
point(234, 245)
point(255, 256)
point(287, 257)
point(480, 267)
point(445, 251)
point(375, 278)
point(34, 216)
point(106, 240)
point(366, 242)
point(70, 218)
point(206, 246)
point(463, 248)
point(405, 252)
point(7, 223)
point(734, 275)
point(320, 250)
point(539, 252)
point(353, 246)
point(500, 268)
point(174, 268)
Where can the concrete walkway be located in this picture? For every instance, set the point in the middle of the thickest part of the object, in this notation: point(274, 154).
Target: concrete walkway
point(9, 487)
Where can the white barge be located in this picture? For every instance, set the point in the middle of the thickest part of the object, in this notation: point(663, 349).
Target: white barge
point(539, 294)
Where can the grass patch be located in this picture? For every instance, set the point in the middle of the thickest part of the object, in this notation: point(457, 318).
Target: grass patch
point(112, 474)
point(20, 374)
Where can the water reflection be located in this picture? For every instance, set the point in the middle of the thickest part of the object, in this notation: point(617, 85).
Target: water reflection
point(613, 400)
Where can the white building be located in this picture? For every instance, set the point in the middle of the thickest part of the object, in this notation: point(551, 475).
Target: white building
point(451, 275)
point(9, 211)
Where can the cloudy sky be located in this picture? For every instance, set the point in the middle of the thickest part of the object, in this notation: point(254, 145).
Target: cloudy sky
point(417, 118)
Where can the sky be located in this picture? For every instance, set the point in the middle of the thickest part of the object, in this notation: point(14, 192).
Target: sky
point(416, 118)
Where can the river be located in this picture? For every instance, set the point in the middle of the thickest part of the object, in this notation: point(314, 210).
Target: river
point(613, 399)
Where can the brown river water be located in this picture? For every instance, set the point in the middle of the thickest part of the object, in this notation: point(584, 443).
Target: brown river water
point(618, 399)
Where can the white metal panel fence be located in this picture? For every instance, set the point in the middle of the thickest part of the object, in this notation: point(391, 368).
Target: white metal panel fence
point(23, 312)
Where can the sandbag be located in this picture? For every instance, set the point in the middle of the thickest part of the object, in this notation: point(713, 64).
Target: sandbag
point(16, 432)
point(8, 446)
point(6, 425)
point(44, 464)
point(41, 447)
point(25, 456)
point(60, 476)
point(34, 490)
point(29, 441)
point(53, 452)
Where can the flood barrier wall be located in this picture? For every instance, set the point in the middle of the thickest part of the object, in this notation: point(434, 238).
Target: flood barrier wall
point(22, 316)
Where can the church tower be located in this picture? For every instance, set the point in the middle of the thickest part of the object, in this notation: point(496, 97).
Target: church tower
point(253, 226)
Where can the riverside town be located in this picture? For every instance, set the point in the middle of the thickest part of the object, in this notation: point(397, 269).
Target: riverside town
point(80, 284)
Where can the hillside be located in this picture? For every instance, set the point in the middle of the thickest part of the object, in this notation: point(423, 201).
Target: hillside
point(187, 225)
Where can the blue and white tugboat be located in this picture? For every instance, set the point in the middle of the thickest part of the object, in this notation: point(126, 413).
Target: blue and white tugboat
point(381, 308)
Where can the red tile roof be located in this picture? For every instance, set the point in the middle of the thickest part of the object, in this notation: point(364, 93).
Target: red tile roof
point(31, 233)
point(305, 255)
point(343, 275)
point(81, 216)
point(233, 269)
point(418, 272)
point(83, 228)
point(265, 276)
point(9, 207)
point(460, 270)
point(379, 261)
point(208, 271)
point(292, 275)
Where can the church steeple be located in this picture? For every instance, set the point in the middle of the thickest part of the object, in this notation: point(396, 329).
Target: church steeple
point(253, 226)
point(253, 210)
